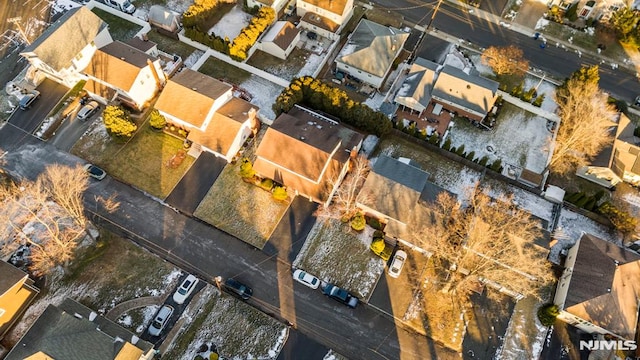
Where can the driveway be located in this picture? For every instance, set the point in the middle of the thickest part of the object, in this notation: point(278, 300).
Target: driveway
point(289, 236)
point(300, 346)
point(195, 184)
point(29, 120)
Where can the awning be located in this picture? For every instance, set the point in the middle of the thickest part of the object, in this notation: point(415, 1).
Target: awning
point(437, 109)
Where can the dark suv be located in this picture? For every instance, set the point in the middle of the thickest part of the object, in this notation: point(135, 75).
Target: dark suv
point(237, 288)
point(340, 295)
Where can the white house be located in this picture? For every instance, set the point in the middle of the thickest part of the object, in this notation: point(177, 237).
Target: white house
point(67, 46)
point(280, 39)
point(277, 5)
point(121, 71)
point(214, 120)
point(370, 51)
point(325, 17)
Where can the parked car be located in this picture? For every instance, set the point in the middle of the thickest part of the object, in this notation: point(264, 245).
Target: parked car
point(238, 288)
point(95, 172)
point(160, 321)
point(88, 110)
point(123, 5)
point(185, 289)
point(28, 99)
point(397, 264)
point(340, 295)
point(637, 102)
point(307, 279)
point(311, 35)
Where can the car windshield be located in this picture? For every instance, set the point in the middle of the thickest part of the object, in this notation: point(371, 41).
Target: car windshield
point(156, 324)
point(126, 4)
point(95, 171)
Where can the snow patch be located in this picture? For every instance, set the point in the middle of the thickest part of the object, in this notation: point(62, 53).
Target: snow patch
point(231, 24)
point(541, 24)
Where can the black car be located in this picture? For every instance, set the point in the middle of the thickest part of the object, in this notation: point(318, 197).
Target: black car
point(340, 295)
point(237, 288)
point(28, 99)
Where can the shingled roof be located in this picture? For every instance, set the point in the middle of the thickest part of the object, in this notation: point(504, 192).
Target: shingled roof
point(470, 91)
point(65, 38)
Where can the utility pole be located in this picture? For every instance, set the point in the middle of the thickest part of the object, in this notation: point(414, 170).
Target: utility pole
point(433, 16)
point(16, 21)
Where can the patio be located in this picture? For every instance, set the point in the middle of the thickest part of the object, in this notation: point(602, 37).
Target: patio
point(429, 119)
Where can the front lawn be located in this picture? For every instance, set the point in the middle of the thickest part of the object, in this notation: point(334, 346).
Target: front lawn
point(119, 28)
point(142, 162)
point(337, 254)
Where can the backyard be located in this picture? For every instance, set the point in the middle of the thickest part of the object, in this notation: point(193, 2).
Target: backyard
point(243, 210)
point(299, 63)
point(119, 28)
point(144, 161)
point(335, 253)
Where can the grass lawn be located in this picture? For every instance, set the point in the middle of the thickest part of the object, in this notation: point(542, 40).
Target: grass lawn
point(141, 162)
point(171, 46)
point(336, 253)
point(286, 69)
point(586, 41)
point(221, 70)
point(241, 209)
point(119, 28)
point(105, 274)
point(237, 329)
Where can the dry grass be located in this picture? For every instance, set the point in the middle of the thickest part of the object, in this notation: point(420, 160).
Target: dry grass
point(286, 69)
point(337, 254)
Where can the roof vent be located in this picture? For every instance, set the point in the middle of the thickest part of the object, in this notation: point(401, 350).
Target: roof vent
point(194, 88)
point(319, 126)
point(310, 122)
point(92, 316)
point(122, 58)
point(302, 138)
point(609, 290)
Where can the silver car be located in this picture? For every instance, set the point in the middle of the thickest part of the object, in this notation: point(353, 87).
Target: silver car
point(161, 320)
point(88, 110)
point(185, 289)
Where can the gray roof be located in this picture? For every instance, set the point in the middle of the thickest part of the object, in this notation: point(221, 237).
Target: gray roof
point(65, 332)
point(419, 81)
point(10, 276)
point(372, 47)
point(127, 53)
point(201, 83)
point(471, 91)
point(65, 38)
point(405, 174)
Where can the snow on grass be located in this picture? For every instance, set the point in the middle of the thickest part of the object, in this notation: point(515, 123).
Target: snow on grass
point(264, 94)
point(172, 277)
point(63, 6)
point(546, 88)
point(332, 355)
point(519, 138)
point(369, 144)
point(125, 320)
point(231, 24)
point(525, 335)
point(338, 254)
point(375, 101)
point(483, 69)
point(570, 228)
point(193, 58)
point(311, 65)
point(237, 330)
point(541, 24)
point(534, 204)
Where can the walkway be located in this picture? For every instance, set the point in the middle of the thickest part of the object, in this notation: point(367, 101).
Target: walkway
point(129, 305)
point(528, 106)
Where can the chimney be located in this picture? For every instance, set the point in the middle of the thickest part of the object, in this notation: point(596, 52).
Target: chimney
point(253, 120)
point(155, 74)
point(353, 154)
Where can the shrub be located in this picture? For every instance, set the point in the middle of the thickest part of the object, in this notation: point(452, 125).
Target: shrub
point(377, 246)
point(517, 90)
point(246, 169)
point(378, 234)
point(582, 201)
point(248, 36)
point(590, 204)
point(497, 166)
point(527, 96)
point(622, 220)
point(453, 149)
point(547, 314)
point(116, 120)
point(460, 150)
point(358, 222)
point(266, 184)
point(198, 357)
point(214, 356)
point(538, 101)
point(598, 196)
point(434, 139)
point(157, 120)
point(471, 155)
point(374, 223)
point(484, 160)
point(572, 12)
point(573, 197)
point(279, 193)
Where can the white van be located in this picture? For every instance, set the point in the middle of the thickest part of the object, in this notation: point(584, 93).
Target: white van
point(122, 5)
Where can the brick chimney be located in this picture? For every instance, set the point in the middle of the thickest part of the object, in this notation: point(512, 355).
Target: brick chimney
point(156, 76)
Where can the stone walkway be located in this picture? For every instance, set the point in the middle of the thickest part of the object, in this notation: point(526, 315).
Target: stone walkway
point(123, 307)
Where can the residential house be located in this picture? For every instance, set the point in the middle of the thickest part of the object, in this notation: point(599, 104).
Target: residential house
point(599, 291)
point(370, 52)
point(619, 162)
point(394, 192)
point(119, 71)
point(277, 5)
point(324, 17)
point(415, 93)
point(16, 294)
point(307, 152)
point(468, 95)
point(280, 39)
point(67, 46)
point(595, 9)
point(72, 331)
point(214, 120)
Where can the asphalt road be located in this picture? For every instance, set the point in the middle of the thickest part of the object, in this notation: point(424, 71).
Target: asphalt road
point(70, 131)
point(458, 23)
point(361, 333)
point(29, 120)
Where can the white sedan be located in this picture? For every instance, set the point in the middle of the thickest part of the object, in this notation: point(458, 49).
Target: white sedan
point(185, 289)
point(306, 278)
point(398, 262)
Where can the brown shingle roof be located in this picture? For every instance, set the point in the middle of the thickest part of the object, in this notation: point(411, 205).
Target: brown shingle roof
point(224, 127)
point(64, 39)
point(118, 64)
point(282, 34)
point(142, 45)
point(189, 96)
point(334, 6)
point(320, 21)
point(10, 276)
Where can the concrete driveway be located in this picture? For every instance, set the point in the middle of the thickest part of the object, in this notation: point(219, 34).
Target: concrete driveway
point(29, 120)
point(195, 184)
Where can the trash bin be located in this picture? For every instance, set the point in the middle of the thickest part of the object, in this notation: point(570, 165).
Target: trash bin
point(536, 36)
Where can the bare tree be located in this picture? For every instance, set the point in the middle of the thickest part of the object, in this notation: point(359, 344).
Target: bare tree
point(585, 126)
point(488, 240)
point(505, 60)
point(343, 204)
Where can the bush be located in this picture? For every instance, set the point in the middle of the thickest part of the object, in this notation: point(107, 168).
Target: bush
point(517, 90)
point(548, 313)
point(527, 96)
point(157, 120)
point(622, 220)
point(572, 12)
point(214, 356)
point(573, 197)
point(434, 139)
point(374, 223)
point(116, 120)
point(246, 169)
point(279, 193)
point(591, 204)
point(582, 201)
point(484, 160)
point(460, 150)
point(447, 144)
point(471, 155)
point(249, 35)
point(497, 166)
point(266, 184)
point(377, 246)
point(378, 234)
point(538, 101)
point(358, 222)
